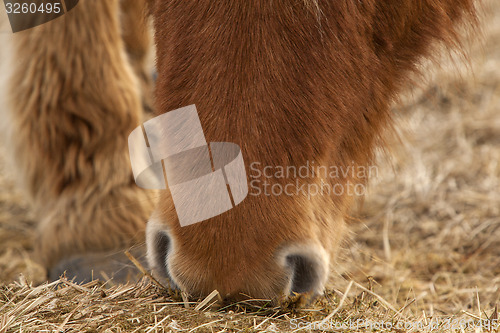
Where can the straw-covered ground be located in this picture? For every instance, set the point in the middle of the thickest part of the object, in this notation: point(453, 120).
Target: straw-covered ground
point(424, 248)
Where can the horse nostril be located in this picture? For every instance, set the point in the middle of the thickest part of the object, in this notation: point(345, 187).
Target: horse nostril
point(163, 246)
point(309, 269)
point(158, 249)
point(304, 274)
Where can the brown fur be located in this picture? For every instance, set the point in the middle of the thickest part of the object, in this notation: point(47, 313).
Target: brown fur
point(289, 82)
point(289, 85)
point(136, 33)
point(74, 99)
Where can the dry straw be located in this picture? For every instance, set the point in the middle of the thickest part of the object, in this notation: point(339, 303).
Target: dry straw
point(424, 247)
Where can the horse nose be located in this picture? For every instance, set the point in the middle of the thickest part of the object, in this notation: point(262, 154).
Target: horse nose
point(307, 267)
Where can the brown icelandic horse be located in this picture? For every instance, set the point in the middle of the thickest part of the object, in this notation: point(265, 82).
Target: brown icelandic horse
point(290, 82)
